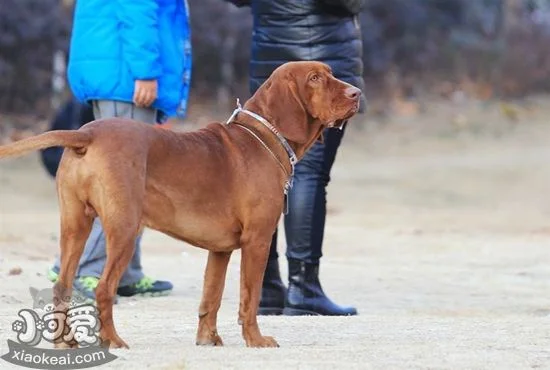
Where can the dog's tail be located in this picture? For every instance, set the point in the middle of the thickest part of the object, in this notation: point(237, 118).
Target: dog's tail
point(78, 140)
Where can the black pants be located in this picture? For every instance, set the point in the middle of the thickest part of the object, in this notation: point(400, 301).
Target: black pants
point(305, 221)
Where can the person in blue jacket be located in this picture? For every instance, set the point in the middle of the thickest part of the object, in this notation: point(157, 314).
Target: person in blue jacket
point(129, 59)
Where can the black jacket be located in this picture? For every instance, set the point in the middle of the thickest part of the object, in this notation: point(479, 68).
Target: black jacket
point(321, 30)
point(71, 116)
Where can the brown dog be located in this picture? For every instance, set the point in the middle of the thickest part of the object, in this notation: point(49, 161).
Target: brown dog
point(219, 188)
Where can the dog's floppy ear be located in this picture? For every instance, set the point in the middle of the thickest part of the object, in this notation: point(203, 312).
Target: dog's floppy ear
point(288, 109)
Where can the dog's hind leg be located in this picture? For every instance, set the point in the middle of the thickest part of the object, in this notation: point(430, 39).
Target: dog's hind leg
point(120, 233)
point(120, 214)
point(75, 228)
point(254, 253)
point(214, 282)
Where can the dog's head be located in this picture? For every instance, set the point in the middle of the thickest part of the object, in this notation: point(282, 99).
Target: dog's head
point(303, 98)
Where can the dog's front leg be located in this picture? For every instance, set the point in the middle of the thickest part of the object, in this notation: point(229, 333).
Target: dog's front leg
point(254, 253)
point(214, 281)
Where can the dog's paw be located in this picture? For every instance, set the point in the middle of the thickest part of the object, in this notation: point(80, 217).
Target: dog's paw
point(63, 345)
point(211, 339)
point(262, 342)
point(114, 343)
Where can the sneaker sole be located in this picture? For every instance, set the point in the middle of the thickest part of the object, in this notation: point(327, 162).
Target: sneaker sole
point(149, 294)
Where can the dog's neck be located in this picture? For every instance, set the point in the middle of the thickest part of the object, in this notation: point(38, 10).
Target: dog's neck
point(315, 127)
point(268, 137)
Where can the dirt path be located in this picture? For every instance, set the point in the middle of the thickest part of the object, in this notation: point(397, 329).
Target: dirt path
point(442, 242)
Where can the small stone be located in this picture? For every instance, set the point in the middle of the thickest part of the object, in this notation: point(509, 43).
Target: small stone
point(15, 271)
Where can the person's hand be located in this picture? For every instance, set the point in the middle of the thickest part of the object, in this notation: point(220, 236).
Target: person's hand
point(145, 92)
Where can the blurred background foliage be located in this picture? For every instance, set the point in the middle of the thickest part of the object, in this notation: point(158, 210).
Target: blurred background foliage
point(413, 50)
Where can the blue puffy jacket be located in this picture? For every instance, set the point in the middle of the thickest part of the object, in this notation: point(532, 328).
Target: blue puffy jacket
point(115, 42)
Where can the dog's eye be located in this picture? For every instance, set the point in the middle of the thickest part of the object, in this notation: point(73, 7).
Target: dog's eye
point(314, 78)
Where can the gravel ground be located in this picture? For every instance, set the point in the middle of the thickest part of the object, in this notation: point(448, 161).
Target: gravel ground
point(442, 242)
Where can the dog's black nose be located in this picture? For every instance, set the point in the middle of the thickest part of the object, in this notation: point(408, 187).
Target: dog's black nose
point(352, 92)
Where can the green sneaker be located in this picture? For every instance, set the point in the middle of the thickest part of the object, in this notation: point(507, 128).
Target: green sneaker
point(84, 286)
point(146, 287)
point(52, 275)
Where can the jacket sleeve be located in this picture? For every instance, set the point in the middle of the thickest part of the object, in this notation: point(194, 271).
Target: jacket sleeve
point(140, 37)
point(239, 3)
point(352, 6)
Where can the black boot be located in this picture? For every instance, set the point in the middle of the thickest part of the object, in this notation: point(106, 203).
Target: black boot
point(305, 295)
point(272, 300)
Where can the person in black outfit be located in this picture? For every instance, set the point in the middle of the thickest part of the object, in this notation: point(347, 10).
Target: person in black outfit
point(315, 30)
point(71, 116)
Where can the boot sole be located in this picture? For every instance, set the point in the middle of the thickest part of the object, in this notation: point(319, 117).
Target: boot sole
point(270, 311)
point(298, 312)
